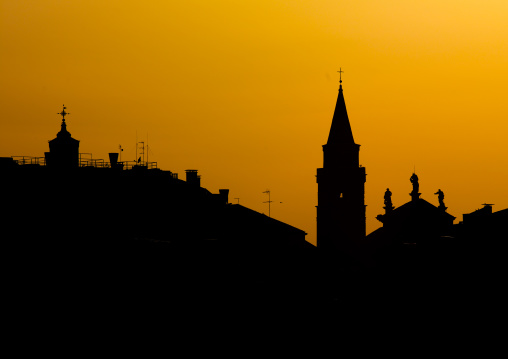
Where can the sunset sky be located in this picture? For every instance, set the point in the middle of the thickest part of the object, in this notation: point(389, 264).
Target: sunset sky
point(244, 92)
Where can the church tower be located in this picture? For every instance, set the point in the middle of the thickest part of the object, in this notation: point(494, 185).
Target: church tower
point(341, 186)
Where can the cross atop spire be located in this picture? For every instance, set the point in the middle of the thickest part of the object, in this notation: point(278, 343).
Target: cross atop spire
point(340, 74)
point(63, 113)
point(63, 131)
point(340, 132)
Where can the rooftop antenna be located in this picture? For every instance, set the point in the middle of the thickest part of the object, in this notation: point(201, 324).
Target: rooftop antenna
point(238, 200)
point(121, 150)
point(142, 148)
point(269, 201)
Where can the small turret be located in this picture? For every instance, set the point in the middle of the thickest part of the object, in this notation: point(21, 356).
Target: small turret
point(63, 150)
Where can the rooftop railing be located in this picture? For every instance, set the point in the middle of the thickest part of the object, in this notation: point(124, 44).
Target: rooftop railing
point(98, 163)
point(128, 165)
point(86, 160)
point(29, 160)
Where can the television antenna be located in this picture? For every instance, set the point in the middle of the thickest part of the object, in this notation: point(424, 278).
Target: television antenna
point(142, 148)
point(269, 201)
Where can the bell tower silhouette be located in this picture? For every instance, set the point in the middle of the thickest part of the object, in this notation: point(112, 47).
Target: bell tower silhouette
point(341, 186)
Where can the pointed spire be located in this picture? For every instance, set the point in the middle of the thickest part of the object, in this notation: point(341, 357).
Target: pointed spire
point(340, 131)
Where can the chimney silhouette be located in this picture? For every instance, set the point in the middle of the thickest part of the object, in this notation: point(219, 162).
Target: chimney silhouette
point(224, 195)
point(113, 159)
point(191, 176)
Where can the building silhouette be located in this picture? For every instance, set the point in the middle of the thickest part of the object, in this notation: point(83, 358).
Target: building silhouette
point(68, 202)
point(341, 181)
point(415, 220)
point(155, 203)
point(484, 222)
point(138, 234)
point(412, 235)
point(86, 238)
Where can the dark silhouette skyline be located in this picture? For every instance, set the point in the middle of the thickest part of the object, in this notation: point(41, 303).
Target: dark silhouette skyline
point(75, 223)
point(243, 93)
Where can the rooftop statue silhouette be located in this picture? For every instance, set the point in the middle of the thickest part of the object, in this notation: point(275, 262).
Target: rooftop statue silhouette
point(440, 196)
point(415, 195)
point(388, 201)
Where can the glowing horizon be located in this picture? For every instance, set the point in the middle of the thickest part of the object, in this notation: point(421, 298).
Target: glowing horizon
point(245, 92)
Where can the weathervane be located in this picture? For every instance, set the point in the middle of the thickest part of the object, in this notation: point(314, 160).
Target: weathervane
point(63, 113)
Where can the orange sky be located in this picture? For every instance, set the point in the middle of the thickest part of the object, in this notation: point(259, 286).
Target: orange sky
point(244, 91)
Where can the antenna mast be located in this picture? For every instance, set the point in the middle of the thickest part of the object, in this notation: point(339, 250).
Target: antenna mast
point(269, 201)
point(142, 148)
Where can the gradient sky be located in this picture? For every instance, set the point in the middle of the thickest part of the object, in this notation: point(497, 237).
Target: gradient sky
point(244, 91)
